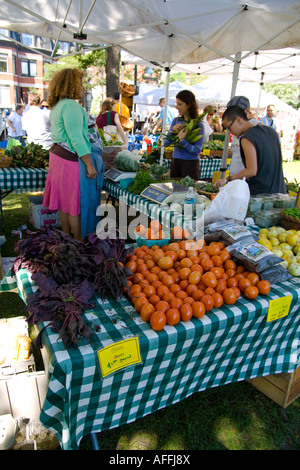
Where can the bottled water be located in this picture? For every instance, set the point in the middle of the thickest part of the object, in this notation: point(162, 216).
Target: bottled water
point(189, 197)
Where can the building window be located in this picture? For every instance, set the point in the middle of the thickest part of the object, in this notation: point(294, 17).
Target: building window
point(5, 96)
point(28, 68)
point(28, 39)
point(3, 63)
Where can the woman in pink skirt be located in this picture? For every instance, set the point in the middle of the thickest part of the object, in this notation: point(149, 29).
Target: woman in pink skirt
point(69, 128)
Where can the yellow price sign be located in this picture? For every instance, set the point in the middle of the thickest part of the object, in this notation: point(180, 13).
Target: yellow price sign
point(206, 151)
point(279, 308)
point(118, 355)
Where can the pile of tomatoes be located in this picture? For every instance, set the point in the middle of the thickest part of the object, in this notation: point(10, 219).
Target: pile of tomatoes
point(185, 279)
point(155, 232)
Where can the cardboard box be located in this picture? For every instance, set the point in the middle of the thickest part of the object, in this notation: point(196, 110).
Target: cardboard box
point(39, 215)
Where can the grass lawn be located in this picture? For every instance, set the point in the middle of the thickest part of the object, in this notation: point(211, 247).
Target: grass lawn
point(232, 417)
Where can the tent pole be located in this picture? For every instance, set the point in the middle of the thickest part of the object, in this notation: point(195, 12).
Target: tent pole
point(260, 88)
point(162, 149)
point(227, 134)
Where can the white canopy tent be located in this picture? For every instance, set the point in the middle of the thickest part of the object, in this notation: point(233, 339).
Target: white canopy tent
point(165, 32)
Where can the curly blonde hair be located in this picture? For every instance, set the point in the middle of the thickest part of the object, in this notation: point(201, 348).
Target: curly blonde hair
point(66, 83)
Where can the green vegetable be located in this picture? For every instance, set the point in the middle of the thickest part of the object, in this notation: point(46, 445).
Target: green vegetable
point(127, 163)
point(142, 180)
point(295, 212)
point(157, 170)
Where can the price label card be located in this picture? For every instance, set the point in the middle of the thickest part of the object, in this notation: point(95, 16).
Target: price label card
point(206, 151)
point(118, 355)
point(279, 308)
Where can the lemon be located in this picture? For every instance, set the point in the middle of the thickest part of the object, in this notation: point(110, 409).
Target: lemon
point(263, 230)
point(282, 237)
point(296, 249)
point(277, 251)
point(265, 242)
point(292, 239)
point(274, 241)
point(285, 246)
point(272, 234)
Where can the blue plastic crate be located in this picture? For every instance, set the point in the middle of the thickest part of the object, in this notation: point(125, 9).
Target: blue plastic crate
point(3, 144)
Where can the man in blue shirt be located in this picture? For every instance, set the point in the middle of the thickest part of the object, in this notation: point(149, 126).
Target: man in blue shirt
point(169, 116)
point(269, 119)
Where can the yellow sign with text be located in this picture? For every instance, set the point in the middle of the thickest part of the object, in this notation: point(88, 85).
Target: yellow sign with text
point(118, 355)
point(206, 151)
point(279, 308)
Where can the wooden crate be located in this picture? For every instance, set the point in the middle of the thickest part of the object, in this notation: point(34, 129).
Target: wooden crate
point(283, 389)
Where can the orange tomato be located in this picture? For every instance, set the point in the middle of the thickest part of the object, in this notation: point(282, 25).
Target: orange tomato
point(208, 302)
point(184, 273)
point(141, 229)
point(173, 316)
point(168, 297)
point(176, 303)
point(176, 232)
point(155, 225)
point(218, 271)
point(150, 263)
point(154, 299)
point(213, 249)
point(151, 277)
point(240, 269)
point(186, 263)
point(158, 320)
point(207, 264)
point(186, 312)
point(175, 288)
point(198, 309)
point(139, 303)
point(188, 300)
point(181, 254)
point(194, 277)
point(263, 287)
point(237, 291)
point(203, 255)
point(229, 296)
point(155, 269)
point(156, 283)
point(231, 272)
point(168, 280)
point(198, 294)
point(183, 284)
point(151, 235)
point(196, 260)
point(157, 254)
point(149, 290)
point(225, 255)
point(162, 290)
point(161, 275)
point(146, 311)
point(251, 292)
point(218, 299)
point(162, 305)
point(254, 278)
point(217, 260)
point(243, 283)
point(192, 253)
point(174, 246)
point(131, 265)
point(191, 288)
point(209, 279)
point(209, 291)
point(135, 288)
point(165, 262)
point(171, 254)
point(221, 285)
point(181, 295)
point(161, 235)
point(232, 282)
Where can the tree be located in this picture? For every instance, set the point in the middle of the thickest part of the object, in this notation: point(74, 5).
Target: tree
point(112, 70)
point(289, 93)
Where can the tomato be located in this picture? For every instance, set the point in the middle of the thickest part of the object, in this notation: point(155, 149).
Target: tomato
point(150, 263)
point(229, 296)
point(151, 277)
point(161, 275)
point(131, 265)
point(161, 235)
point(176, 278)
point(181, 295)
point(263, 287)
point(184, 273)
point(209, 291)
point(168, 297)
point(165, 262)
point(240, 269)
point(158, 320)
point(141, 268)
point(232, 282)
point(175, 288)
point(197, 295)
point(155, 270)
point(173, 316)
point(155, 225)
point(157, 254)
point(197, 267)
point(162, 305)
point(186, 312)
point(221, 285)
point(203, 255)
point(229, 264)
point(239, 276)
point(162, 290)
point(183, 284)
point(146, 311)
point(154, 299)
point(225, 255)
point(139, 303)
point(208, 302)
point(194, 277)
point(171, 254)
point(168, 280)
point(135, 288)
point(218, 271)
point(218, 299)
point(209, 279)
point(191, 288)
point(213, 249)
point(243, 284)
point(195, 259)
point(198, 309)
point(188, 300)
point(217, 260)
point(191, 253)
point(140, 229)
point(237, 291)
point(207, 264)
point(176, 232)
point(186, 263)
point(176, 303)
point(156, 284)
point(149, 290)
point(181, 254)
point(251, 292)
point(254, 278)
point(174, 246)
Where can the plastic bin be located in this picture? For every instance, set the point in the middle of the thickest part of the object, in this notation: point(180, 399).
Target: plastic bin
point(3, 144)
point(140, 241)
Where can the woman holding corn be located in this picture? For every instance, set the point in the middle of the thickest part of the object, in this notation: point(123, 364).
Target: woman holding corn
point(187, 135)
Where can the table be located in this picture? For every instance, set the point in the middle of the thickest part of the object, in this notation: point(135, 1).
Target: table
point(207, 166)
point(20, 180)
point(227, 345)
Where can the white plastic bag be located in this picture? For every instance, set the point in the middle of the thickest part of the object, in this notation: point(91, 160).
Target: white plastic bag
point(231, 202)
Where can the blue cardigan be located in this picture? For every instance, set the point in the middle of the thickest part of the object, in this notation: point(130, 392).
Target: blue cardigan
point(189, 151)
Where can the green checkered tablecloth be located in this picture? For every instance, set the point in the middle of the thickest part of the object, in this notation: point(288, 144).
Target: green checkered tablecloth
point(207, 166)
point(227, 345)
point(163, 214)
point(22, 179)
